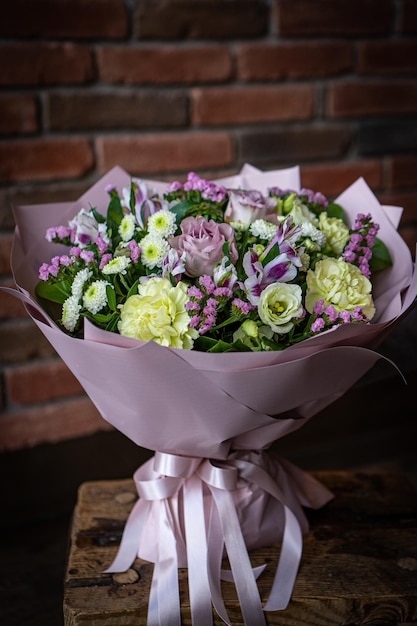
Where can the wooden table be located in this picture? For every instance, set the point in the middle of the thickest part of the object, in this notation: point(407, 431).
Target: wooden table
point(359, 563)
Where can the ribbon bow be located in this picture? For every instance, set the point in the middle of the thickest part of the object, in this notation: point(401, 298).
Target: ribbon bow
point(202, 490)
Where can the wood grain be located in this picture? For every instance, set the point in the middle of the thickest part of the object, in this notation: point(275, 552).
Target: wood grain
point(359, 563)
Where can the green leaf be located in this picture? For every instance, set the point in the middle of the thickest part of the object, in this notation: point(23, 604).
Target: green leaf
point(226, 250)
point(100, 318)
point(111, 297)
point(381, 257)
point(114, 216)
point(272, 254)
point(132, 197)
point(133, 290)
point(112, 325)
point(55, 292)
point(230, 320)
point(335, 210)
point(181, 209)
point(98, 216)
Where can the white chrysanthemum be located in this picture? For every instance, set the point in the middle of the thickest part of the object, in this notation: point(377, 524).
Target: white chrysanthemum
point(162, 223)
point(117, 265)
point(71, 313)
point(95, 298)
point(127, 227)
point(154, 249)
point(313, 233)
point(79, 281)
point(263, 229)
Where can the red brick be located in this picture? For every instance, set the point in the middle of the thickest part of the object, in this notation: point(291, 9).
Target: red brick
point(45, 159)
point(150, 154)
point(408, 17)
point(164, 65)
point(18, 114)
point(333, 17)
point(40, 382)
point(387, 57)
point(10, 307)
point(405, 199)
point(5, 251)
point(274, 61)
point(50, 423)
point(76, 19)
point(21, 340)
point(366, 99)
point(45, 64)
point(40, 193)
point(272, 147)
point(402, 171)
point(240, 105)
point(333, 178)
point(200, 19)
point(147, 108)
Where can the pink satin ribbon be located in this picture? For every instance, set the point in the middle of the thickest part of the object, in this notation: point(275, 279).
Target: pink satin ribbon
point(210, 524)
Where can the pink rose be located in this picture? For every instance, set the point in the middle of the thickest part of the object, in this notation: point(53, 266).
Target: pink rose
point(202, 241)
point(246, 206)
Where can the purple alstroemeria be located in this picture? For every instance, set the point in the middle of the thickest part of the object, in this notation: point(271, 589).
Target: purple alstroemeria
point(174, 265)
point(85, 229)
point(147, 201)
point(281, 269)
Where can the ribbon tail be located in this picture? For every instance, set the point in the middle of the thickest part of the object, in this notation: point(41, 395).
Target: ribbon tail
point(196, 542)
point(289, 561)
point(215, 547)
point(130, 541)
point(292, 541)
point(246, 586)
point(164, 597)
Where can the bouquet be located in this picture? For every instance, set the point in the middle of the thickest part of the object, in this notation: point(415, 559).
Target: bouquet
point(206, 320)
point(203, 267)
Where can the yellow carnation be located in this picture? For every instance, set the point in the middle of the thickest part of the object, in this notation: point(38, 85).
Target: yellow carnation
point(340, 284)
point(157, 313)
point(336, 231)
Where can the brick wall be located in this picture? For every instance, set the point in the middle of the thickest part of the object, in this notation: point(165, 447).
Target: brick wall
point(163, 86)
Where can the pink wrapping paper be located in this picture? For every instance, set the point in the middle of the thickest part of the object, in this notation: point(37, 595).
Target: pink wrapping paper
point(216, 407)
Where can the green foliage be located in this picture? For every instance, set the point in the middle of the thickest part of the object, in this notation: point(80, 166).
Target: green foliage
point(55, 292)
point(381, 257)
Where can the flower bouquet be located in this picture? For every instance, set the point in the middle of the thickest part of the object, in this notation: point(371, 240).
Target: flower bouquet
point(205, 320)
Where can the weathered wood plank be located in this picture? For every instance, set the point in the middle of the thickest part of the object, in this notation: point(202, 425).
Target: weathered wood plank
point(359, 563)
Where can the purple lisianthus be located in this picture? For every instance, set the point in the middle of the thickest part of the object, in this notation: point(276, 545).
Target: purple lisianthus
point(248, 206)
point(202, 241)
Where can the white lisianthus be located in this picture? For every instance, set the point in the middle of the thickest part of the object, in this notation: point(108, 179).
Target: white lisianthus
point(154, 250)
point(339, 284)
point(79, 281)
point(117, 265)
point(127, 227)
point(279, 304)
point(263, 229)
point(301, 213)
point(95, 297)
point(71, 313)
point(336, 231)
point(162, 223)
point(157, 313)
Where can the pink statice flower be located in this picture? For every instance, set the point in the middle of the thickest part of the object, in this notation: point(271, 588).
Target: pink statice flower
point(358, 250)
